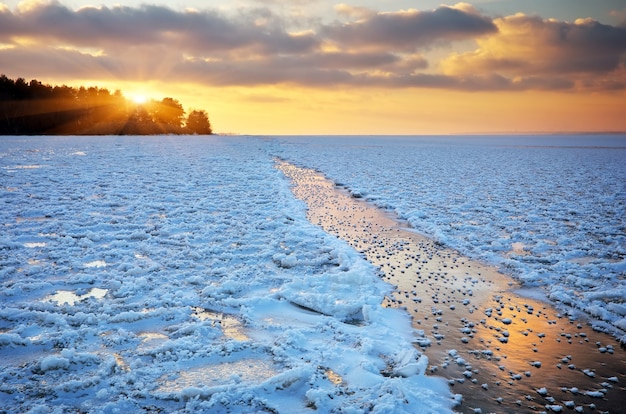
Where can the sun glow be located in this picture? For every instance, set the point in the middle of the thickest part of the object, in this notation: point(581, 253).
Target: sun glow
point(139, 99)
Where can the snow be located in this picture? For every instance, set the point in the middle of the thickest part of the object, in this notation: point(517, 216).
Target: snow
point(548, 210)
point(179, 274)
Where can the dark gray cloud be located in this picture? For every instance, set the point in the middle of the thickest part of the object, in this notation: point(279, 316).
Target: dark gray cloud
point(351, 61)
point(410, 30)
point(199, 32)
point(587, 46)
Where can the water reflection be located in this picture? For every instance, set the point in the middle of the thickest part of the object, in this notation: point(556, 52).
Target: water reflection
point(231, 327)
point(95, 264)
point(501, 351)
point(219, 375)
point(32, 245)
point(150, 341)
point(68, 297)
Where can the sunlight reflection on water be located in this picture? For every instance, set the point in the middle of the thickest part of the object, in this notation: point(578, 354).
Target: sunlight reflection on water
point(231, 327)
point(495, 348)
point(95, 264)
point(68, 297)
point(246, 370)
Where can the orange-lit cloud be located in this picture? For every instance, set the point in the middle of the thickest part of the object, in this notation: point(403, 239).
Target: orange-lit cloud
point(251, 48)
point(536, 54)
point(369, 49)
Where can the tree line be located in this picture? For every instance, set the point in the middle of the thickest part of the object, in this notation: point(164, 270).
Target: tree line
point(32, 108)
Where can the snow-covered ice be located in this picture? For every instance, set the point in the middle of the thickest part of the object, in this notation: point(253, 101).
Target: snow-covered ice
point(179, 274)
point(549, 210)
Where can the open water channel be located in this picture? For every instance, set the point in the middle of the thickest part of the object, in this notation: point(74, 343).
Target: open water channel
point(502, 350)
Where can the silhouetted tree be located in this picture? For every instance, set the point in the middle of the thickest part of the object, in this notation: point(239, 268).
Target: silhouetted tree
point(198, 123)
point(35, 108)
point(168, 112)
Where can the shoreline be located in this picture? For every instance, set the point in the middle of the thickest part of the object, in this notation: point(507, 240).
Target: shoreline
point(501, 351)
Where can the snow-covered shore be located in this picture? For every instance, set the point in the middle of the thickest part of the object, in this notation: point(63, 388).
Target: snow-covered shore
point(548, 210)
point(180, 274)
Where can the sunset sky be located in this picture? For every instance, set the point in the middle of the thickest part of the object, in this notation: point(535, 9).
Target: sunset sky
point(324, 67)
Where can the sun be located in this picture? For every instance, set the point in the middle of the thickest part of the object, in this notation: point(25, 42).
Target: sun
point(139, 99)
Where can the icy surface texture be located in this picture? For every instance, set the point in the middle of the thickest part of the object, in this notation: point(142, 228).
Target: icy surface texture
point(179, 274)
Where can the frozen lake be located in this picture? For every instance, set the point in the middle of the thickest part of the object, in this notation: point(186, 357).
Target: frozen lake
point(180, 274)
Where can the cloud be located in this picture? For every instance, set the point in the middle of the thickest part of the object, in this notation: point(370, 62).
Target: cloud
point(354, 12)
point(299, 73)
point(254, 29)
point(257, 47)
point(250, 47)
point(535, 48)
point(26, 62)
point(408, 29)
point(119, 26)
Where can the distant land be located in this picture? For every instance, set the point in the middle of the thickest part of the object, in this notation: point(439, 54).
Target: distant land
point(33, 108)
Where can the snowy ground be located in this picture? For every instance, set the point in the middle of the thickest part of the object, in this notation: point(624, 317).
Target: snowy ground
point(177, 274)
point(547, 209)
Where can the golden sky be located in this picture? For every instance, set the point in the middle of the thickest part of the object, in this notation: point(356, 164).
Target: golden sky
point(319, 67)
